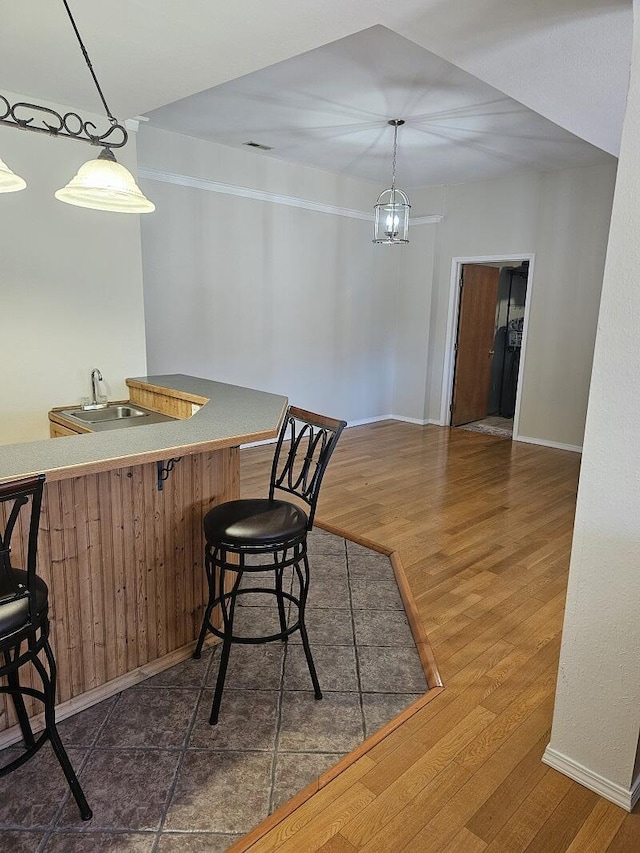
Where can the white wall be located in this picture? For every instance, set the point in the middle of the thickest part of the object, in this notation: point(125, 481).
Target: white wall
point(262, 294)
point(596, 724)
point(572, 231)
point(227, 279)
point(562, 217)
point(70, 287)
point(418, 263)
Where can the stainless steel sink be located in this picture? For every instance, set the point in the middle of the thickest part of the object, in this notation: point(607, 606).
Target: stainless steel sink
point(109, 413)
point(116, 415)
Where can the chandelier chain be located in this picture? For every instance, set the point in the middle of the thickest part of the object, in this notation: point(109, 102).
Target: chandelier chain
point(395, 149)
point(89, 65)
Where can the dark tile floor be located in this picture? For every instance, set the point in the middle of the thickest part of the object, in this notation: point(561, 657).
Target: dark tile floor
point(160, 779)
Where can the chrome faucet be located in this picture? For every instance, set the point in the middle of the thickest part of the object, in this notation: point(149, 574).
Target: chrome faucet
point(96, 401)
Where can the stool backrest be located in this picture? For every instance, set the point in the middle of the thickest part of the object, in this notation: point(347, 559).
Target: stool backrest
point(299, 468)
point(21, 493)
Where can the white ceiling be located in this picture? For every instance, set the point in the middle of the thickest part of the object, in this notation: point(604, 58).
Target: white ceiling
point(566, 59)
point(329, 108)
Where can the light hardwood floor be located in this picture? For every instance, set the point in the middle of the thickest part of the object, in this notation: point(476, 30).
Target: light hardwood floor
point(483, 528)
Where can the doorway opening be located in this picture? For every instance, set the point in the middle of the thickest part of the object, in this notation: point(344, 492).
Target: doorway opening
point(487, 344)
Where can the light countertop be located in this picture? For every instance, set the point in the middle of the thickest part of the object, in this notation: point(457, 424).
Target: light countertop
point(231, 416)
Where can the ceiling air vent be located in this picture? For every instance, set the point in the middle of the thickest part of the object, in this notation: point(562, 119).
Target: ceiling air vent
point(258, 145)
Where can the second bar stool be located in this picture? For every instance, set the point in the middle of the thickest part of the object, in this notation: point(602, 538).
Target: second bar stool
point(24, 631)
point(273, 528)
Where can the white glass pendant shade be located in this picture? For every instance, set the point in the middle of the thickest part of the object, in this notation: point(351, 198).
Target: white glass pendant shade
point(9, 181)
point(104, 184)
point(391, 218)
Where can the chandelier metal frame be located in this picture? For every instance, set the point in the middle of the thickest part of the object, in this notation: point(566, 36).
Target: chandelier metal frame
point(70, 125)
point(391, 211)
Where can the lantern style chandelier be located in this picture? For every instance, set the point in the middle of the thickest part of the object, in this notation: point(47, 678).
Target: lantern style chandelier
point(101, 184)
point(391, 212)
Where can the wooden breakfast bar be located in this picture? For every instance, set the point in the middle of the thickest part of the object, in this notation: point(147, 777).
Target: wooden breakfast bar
point(120, 543)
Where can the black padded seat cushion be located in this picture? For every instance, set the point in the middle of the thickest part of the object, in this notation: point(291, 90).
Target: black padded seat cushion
point(15, 614)
point(257, 521)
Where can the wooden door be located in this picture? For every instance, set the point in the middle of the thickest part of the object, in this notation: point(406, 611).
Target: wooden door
point(474, 347)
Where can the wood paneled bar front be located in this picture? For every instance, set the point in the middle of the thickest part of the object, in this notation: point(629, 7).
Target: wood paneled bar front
point(121, 556)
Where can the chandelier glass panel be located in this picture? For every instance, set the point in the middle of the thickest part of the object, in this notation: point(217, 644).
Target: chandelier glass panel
point(391, 212)
point(101, 183)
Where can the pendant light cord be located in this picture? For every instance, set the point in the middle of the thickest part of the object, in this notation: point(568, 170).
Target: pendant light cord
point(90, 66)
point(395, 148)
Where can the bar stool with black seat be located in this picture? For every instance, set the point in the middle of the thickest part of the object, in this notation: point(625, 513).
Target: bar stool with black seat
point(24, 630)
point(239, 532)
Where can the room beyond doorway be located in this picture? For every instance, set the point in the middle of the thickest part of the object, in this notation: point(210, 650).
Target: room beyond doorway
point(491, 425)
point(486, 343)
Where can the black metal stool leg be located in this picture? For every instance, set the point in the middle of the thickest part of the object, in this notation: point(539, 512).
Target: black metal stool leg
point(210, 569)
point(227, 619)
point(203, 632)
point(222, 674)
point(50, 721)
point(18, 702)
point(281, 613)
point(304, 587)
point(312, 669)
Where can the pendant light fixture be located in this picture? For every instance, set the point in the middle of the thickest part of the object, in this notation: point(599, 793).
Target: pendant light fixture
point(391, 212)
point(9, 181)
point(105, 184)
point(102, 183)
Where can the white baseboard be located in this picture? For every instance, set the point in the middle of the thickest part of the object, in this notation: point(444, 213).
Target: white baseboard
point(374, 420)
point(389, 418)
point(526, 439)
point(557, 445)
point(350, 424)
point(624, 797)
point(416, 420)
point(402, 418)
point(543, 442)
point(258, 443)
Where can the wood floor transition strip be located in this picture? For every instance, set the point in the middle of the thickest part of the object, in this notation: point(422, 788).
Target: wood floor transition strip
point(427, 657)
